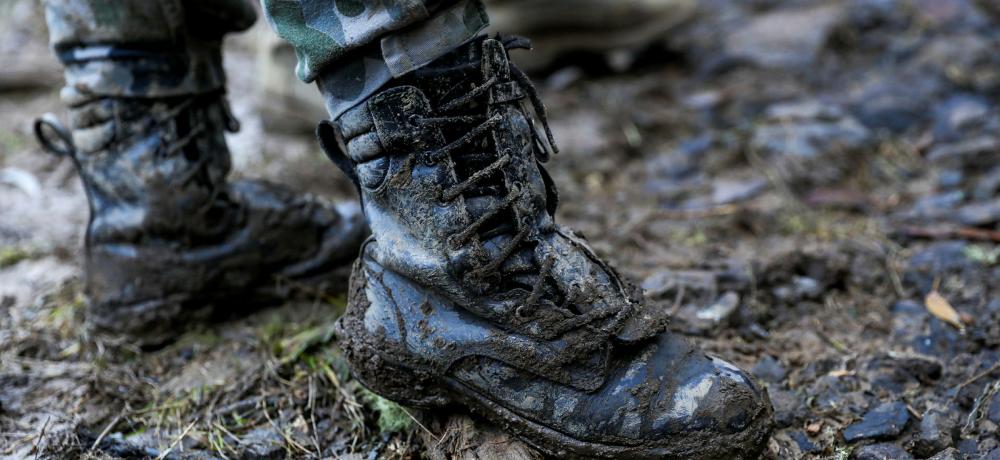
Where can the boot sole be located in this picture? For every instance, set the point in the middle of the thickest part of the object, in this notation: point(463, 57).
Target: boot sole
point(430, 389)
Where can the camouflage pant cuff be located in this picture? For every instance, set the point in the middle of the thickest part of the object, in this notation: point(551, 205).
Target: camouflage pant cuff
point(410, 49)
point(354, 79)
point(122, 71)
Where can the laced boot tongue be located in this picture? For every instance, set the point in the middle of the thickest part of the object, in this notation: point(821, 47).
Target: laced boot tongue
point(495, 150)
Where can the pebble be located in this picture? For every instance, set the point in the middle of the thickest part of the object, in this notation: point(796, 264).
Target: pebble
point(936, 260)
point(786, 38)
point(959, 116)
point(968, 446)
point(896, 372)
point(808, 137)
point(949, 454)
point(734, 191)
point(263, 444)
point(788, 407)
point(979, 214)
point(968, 152)
point(885, 421)
point(950, 178)
point(937, 206)
point(940, 256)
point(769, 369)
point(722, 310)
point(936, 433)
point(806, 146)
point(664, 281)
point(994, 413)
point(806, 446)
point(884, 451)
point(987, 186)
point(886, 103)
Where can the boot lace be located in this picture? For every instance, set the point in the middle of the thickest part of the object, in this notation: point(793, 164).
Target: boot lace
point(483, 126)
point(55, 138)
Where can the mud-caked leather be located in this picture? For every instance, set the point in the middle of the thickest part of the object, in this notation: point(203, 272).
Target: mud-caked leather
point(170, 240)
point(468, 292)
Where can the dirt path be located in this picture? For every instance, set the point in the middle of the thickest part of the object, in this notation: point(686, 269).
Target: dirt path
point(823, 211)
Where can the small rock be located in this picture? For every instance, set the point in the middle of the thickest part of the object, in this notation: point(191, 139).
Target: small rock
point(806, 446)
point(969, 447)
point(806, 287)
point(22, 180)
point(993, 455)
point(735, 191)
point(895, 372)
point(942, 340)
point(807, 146)
point(797, 137)
point(950, 178)
point(263, 444)
point(967, 153)
point(788, 406)
point(786, 37)
point(949, 454)
point(933, 207)
point(722, 309)
point(960, 116)
point(935, 261)
point(692, 281)
point(940, 256)
point(994, 413)
point(769, 370)
point(979, 214)
point(885, 421)
point(886, 103)
point(937, 430)
point(908, 318)
point(988, 186)
point(884, 451)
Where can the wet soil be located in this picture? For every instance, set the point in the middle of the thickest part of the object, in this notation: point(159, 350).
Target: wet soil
point(820, 208)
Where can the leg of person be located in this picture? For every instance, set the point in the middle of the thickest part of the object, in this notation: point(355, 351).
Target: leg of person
point(169, 238)
point(468, 291)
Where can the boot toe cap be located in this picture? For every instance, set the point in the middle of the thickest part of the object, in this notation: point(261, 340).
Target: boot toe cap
point(715, 410)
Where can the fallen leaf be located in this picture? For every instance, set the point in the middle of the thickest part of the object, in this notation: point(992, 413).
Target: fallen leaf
point(939, 307)
point(840, 373)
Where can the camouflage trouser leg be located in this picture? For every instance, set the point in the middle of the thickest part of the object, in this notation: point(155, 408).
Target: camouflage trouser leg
point(353, 47)
point(143, 48)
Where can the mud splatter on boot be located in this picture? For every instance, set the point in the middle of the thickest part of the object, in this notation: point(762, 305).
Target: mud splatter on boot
point(469, 292)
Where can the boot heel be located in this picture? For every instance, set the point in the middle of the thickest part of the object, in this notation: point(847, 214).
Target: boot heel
point(375, 369)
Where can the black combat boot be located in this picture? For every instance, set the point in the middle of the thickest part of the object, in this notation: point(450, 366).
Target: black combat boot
point(169, 239)
point(468, 292)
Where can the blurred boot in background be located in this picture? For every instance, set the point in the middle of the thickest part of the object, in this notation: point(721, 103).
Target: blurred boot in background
point(169, 237)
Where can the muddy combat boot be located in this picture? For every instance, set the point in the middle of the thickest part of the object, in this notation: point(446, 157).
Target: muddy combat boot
point(170, 240)
point(468, 292)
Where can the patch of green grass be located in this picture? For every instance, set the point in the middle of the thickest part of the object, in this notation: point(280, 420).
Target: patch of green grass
point(13, 255)
point(11, 141)
point(825, 226)
point(688, 237)
point(292, 348)
point(984, 254)
point(392, 418)
point(843, 452)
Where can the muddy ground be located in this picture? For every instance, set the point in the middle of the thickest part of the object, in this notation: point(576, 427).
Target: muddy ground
point(811, 187)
